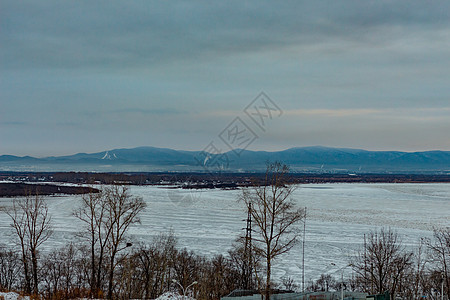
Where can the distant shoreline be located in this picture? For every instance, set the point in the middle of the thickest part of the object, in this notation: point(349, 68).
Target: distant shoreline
point(17, 189)
point(185, 180)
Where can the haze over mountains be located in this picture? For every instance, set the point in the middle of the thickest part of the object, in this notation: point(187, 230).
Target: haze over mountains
point(306, 159)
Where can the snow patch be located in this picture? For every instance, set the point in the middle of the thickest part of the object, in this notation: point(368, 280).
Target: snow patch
point(13, 296)
point(173, 296)
point(108, 156)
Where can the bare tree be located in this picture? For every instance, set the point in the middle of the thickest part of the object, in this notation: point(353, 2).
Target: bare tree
point(10, 270)
point(218, 278)
point(323, 284)
point(383, 263)
point(60, 272)
point(248, 262)
point(19, 225)
point(122, 211)
point(439, 248)
point(289, 283)
point(274, 215)
point(187, 268)
point(414, 283)
point(32, 225)
point(155, 262)
point(93, 213)
point(107, 216)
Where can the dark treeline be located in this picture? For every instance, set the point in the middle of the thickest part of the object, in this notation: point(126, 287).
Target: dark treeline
point(213, 180)
point(23, 189)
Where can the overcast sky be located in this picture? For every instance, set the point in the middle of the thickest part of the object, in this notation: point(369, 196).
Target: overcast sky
point(87, 76)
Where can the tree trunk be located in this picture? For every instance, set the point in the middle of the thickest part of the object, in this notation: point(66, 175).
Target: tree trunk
point(34, 271)
point(93, 280)
point(111, 276)
point(98, 284)
point(147, 286)
point(268, 280)
point(26, 271)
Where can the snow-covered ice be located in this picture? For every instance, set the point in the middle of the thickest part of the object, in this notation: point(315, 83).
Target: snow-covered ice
point(207, 221)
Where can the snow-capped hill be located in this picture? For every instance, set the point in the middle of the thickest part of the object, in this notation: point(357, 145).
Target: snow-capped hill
point(310, 159)
point(109, 156)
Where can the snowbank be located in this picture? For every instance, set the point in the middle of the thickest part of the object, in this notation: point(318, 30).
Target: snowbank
point(13, 296)
point(173, 296)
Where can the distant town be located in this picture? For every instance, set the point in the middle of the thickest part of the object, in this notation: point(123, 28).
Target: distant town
point(188, 180)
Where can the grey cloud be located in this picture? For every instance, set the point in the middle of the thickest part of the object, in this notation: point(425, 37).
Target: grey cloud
point(73, 34)
point(155, 111)
point(123, 73)
point(14, 123)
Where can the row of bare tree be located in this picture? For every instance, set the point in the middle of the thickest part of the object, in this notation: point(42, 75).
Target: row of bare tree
point(149, 270)
point(101, 263)
point(107, 216)
point(141, 272)
point(385, 264)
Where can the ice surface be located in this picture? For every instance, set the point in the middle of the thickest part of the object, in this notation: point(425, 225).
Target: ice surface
point(207, 221)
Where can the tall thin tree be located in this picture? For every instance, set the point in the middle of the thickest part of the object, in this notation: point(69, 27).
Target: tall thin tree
point(122, 211)
point(32, 225)
point(274, 215)
point(439, 248)
point(93, 214)
point(383, 263)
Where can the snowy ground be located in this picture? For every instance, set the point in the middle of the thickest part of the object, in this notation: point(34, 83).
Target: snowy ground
point(207, 221)
point(173, 296)
point(13, 296)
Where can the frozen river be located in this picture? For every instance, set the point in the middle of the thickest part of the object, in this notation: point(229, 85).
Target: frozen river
point(207, 221)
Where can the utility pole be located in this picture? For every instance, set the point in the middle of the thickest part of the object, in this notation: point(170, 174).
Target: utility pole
point(365, 261)
point(303, 252)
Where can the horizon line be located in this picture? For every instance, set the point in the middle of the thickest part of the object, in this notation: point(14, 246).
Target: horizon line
point(231, 150)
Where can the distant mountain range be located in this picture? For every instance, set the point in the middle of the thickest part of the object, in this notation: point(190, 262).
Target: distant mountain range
point(306, 159)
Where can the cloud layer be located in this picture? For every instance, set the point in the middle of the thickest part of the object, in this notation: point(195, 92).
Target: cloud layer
point(87, 76)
